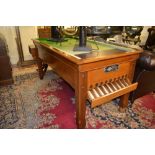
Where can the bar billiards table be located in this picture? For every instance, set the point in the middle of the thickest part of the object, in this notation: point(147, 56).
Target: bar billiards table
point(99, 75)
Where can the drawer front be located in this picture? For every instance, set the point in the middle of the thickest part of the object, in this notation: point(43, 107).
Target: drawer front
point(107, 73)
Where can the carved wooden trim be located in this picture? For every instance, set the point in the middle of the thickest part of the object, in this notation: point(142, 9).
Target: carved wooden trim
point(21, 61)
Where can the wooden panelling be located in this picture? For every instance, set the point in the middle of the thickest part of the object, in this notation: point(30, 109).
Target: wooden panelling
point(106, 62)
point(62, 68)
point(99, 75)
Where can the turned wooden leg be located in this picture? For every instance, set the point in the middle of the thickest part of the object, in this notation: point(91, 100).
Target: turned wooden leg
point(123, 102)
point(42, 68)
point(45, 66)
point(81, 94)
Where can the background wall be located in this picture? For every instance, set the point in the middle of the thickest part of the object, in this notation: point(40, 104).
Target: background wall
point(27, 33)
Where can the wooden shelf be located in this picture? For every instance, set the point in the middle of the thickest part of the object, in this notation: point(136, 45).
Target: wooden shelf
point(107, 91)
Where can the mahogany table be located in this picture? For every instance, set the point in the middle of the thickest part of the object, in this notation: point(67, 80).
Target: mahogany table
point(99, 75)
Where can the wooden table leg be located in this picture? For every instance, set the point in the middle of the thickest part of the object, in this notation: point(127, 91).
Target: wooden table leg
point(42, 68)
point(123, 102)
point(39, 64)
point(81, 94)
point(80, 112)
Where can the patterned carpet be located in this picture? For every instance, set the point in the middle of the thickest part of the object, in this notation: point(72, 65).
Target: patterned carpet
point(33, 103)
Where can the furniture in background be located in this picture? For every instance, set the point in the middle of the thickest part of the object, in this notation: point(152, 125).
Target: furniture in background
point(44, 32)
point(104, 32)
point(150, 42)
point(144, 75)
point(145, 68)
point(131, 34)
point(98, 76)
point(5, 65)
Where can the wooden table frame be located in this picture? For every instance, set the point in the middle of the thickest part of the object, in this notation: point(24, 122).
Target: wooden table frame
point(75, 72)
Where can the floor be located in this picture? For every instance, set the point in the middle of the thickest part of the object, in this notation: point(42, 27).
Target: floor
point(22, 70)
point(39, 104)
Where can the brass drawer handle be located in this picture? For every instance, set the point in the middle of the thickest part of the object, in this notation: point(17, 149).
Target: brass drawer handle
point(111, 68)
